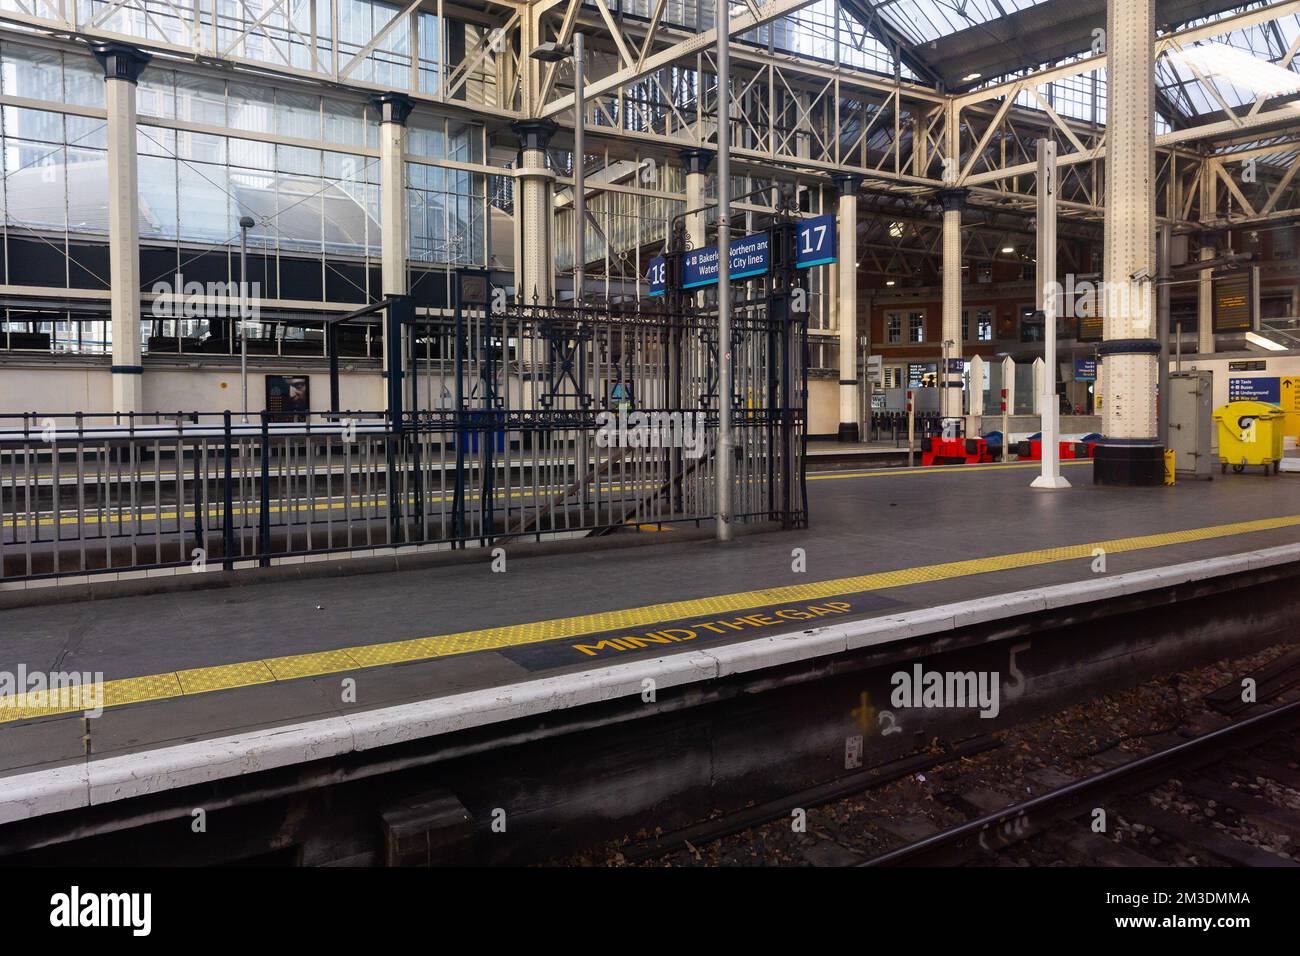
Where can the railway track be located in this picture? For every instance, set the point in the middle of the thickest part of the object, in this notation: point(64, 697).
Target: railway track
point(1074, 819)
point(1209, 775)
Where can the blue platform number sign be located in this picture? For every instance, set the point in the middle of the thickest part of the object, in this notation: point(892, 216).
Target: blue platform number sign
point(1085, 370)
point(815, 242)
point(1255, 389)
point(658, 276)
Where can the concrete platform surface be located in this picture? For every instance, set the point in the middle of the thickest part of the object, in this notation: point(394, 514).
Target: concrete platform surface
point(886, 545)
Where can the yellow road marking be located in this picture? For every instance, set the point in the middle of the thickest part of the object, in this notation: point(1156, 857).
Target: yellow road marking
point(228, 676)
point(937, 469)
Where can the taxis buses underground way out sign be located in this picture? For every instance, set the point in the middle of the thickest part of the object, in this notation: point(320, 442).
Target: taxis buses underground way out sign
point(750, 256)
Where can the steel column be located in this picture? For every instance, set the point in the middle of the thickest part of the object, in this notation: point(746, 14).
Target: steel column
point(725, 446)
point(123, 65)
point(534, 272)
point(949, 383)
point(847, 304)
point(1130, 453)
point(393, 109)
point(1205, 305)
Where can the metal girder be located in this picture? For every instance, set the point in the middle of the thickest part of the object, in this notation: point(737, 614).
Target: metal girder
point(677, 51)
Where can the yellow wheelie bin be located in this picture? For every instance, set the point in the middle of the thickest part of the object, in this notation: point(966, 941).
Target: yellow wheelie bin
point(1250, 433)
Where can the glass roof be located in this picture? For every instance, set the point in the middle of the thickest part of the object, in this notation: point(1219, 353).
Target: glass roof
point(1241, 65)
point(924, 20)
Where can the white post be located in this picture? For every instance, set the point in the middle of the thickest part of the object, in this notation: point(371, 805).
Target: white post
point(1008, 403)
point(1036, 372)
point(1049, 407)
point(911, 428)
point(977, 376)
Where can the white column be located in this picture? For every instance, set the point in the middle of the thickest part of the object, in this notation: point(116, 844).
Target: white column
point(696, 163)
point(394, 235)
point(1130, 452)
point(952, 201)
point(847, 305)
point(122, 65)
point(1049, 407)
point(534, 213)
point(393, 109)
point(1205, 305)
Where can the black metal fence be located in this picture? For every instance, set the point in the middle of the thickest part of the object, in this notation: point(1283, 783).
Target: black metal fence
point(508, 421)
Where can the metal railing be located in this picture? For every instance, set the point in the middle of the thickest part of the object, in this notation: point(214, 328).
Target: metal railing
point(511, 430)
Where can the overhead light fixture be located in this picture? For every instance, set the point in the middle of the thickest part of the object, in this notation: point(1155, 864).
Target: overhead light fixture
point(551, 52)
point(971, 76)
point(1254, 338)
point(1008, 249)
point(889, 282)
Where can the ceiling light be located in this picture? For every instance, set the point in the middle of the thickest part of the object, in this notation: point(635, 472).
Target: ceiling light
point(970, 76)
point(1008, 249)
point(889, 282)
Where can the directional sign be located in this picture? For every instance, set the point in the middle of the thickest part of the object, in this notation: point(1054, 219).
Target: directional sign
point(658, 276)
point(1085, 370)
point(1256, 389)
point(749, 258)
point(815, 242)
point(1291, 405)
point(1290, 394)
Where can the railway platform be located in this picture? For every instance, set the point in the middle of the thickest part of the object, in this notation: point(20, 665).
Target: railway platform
point(204, 685)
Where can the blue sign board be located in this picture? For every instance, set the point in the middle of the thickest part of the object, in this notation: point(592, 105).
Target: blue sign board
point(1085, 370)
point(814, 243)
point(749, 257)
point(1257, 389)
point(658, 276)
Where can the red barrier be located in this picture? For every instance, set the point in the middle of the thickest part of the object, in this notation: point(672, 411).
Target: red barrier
point(954, 451)
point(1032, 450)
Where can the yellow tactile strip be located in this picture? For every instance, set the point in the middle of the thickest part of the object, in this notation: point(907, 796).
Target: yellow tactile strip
point(227, 676)
point(934, 470)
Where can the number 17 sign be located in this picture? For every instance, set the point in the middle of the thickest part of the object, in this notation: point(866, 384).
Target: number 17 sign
point(815, 242)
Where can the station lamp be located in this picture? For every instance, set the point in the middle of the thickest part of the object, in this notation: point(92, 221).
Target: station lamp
point(555, 52)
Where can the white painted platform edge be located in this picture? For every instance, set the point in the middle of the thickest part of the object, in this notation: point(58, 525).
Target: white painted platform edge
point(108, 779)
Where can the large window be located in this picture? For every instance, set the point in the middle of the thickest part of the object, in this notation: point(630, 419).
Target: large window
point(896, 322)
point(303, 165)
point(916, 327)
point(983, 322)
point(894, 328)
